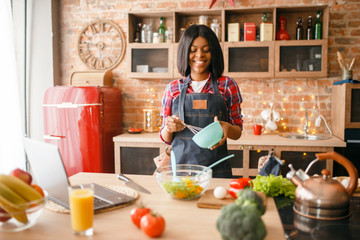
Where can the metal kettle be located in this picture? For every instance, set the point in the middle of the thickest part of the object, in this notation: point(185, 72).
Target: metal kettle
point(321, 197)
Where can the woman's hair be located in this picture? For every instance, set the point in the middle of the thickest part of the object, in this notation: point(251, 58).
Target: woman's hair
point(217, 60)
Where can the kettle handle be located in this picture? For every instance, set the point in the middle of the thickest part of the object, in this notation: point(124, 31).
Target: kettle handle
point(351, 169)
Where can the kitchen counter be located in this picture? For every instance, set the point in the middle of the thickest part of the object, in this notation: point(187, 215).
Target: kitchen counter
point(184, 220)
point(134, 150)
point(245, 139)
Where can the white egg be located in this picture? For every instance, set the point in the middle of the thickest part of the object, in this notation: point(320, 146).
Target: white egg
point(220, 192)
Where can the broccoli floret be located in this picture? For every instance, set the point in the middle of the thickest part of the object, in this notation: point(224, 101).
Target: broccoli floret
point(248, 195)
point(241, 222)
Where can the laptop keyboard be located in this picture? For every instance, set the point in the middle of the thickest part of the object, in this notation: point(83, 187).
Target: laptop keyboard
point(98, 203)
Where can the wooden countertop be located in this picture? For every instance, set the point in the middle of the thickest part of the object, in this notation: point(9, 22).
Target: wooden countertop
point(184, 220)
point(265, 139)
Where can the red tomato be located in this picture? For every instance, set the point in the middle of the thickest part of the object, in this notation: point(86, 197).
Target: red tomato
point(233, 191)
point(234, 183)
point(137, 213)
point(240, 183)
point(237, 184)
point(152, 225)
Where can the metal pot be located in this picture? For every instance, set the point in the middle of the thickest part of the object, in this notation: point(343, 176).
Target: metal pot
point(321, 197)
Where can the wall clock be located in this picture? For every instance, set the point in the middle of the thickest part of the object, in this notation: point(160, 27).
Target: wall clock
point(101, 44)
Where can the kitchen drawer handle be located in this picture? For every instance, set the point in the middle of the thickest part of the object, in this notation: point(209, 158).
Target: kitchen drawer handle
point(353, 141)
point(53, 137)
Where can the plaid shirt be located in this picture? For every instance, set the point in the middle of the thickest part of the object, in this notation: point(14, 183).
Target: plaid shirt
point(228, 88)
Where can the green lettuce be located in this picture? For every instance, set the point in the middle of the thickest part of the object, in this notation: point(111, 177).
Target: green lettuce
point(274, 186)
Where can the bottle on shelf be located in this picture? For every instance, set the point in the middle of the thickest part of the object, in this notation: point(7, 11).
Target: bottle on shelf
point(169, 35)
point(137, 35)
point(318, 26)
point(144, 31)
point(266, 29)
point(282, 33)
point(161, 29)
point(309, 29)
point(299, 29)
point(215, 26)
point(149, 35)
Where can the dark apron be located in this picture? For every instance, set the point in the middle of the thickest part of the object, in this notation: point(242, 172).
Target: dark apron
point(199, 109)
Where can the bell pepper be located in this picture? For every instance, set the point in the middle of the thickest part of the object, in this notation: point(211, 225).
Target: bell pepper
point(237, 185)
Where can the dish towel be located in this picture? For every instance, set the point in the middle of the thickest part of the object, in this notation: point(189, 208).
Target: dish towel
point(272, 166)
point(346, 81)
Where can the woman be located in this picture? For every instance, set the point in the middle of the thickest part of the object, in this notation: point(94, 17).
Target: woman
point(199, 99)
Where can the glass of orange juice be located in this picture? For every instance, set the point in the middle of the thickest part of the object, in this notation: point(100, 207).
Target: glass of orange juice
point(81, 199)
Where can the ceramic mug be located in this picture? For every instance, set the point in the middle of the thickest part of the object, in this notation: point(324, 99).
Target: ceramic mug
point(258, 129)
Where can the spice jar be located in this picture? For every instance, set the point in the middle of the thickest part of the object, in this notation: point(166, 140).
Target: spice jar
point(156, 37)
point(169, 35)
point(203, 20)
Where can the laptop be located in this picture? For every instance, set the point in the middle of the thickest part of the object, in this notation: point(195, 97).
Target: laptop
point(49, 172)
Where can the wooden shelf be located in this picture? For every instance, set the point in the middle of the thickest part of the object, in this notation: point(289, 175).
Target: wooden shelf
point(267, 56)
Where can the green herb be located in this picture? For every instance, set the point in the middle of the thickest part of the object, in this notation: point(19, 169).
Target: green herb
point(274, 186)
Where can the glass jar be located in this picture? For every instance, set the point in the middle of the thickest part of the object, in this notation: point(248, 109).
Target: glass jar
point(215, 26)
point(169, 35)
point(203, 20)
point(156, 37)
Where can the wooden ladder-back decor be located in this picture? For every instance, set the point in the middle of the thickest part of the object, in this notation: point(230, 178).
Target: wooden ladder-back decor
point(92, 78)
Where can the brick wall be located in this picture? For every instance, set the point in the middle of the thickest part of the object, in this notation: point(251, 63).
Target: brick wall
point(289, 96)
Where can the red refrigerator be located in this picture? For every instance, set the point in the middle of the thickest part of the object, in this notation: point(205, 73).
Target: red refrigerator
point(82, 121)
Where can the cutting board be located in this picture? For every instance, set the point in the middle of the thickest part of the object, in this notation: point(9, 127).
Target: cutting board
point(207, 200)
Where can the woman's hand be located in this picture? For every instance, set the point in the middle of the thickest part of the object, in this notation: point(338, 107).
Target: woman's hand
point(229, 131)
point(174, 124)
point(225, 130)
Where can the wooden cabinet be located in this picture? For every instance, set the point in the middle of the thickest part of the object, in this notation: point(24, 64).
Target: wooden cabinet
point(260, 59)
point(245, 162)
point(134, 153)
point(345, 109)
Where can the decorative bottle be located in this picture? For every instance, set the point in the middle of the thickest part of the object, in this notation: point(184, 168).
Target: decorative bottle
point(318, 26)
point(144, 31)
point(137, 35)
point(149, 35)
point(215, 26)
point(299, 29)
point(161, 29)
point(282, 33)
point(309, 29)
